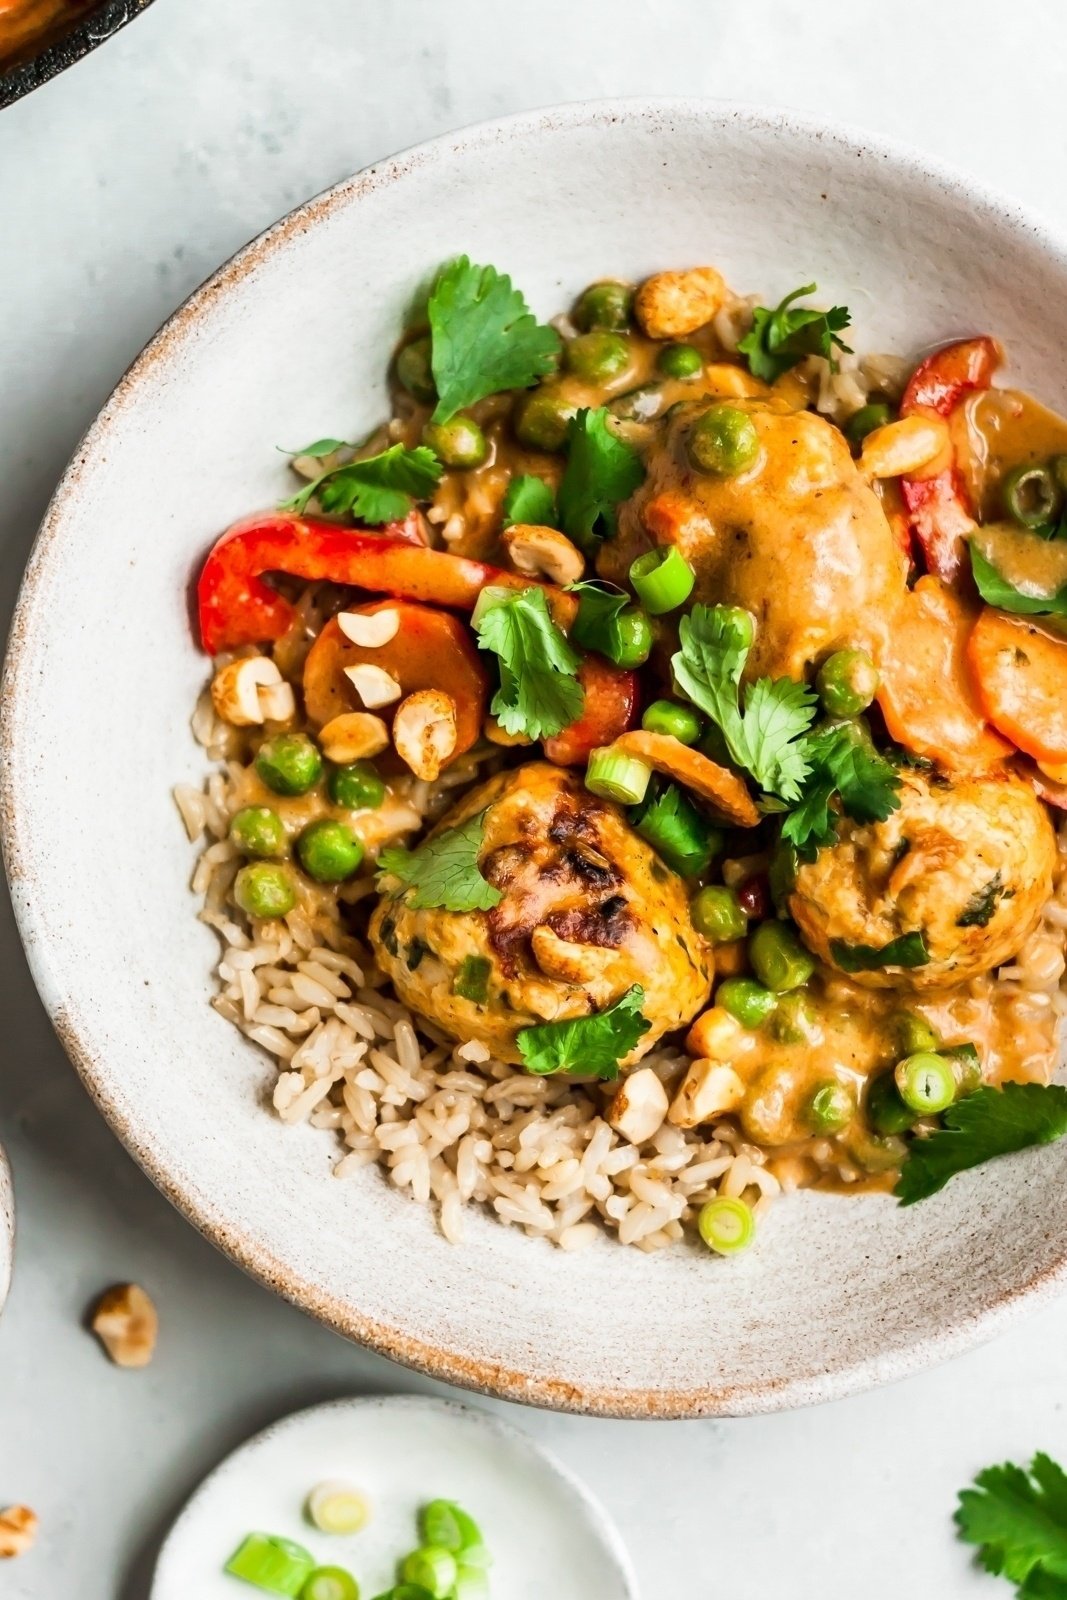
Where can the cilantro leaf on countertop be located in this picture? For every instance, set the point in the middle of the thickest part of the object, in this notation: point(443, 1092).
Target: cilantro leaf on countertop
point(997, 591)
point(990, 1122)
point(588, 1047)
point(780, 338)
point(377, 489)
point(765, 738)
point(443, 870)
point(539, 691)
point(843, 765)
point(602, 471)
point(1018, 1519)
point(531, 500)
point(484, 337)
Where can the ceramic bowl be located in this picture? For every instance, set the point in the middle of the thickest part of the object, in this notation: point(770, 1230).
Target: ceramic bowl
point(290, 341)
point(7, 1228)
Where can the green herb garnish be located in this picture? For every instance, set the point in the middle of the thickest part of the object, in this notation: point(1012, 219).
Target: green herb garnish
point(378, 489)
point(1018, 1519)
point(997, 591)
point(588, 1047)
point(472, 979)
point(539, 690)
point(907, 951)
point(780, 338)
point(484, 337)
point(601, 472)
point(443, 871)
point(990, 1122)
point(979, 910)
point(844, 766)
point(529, 499)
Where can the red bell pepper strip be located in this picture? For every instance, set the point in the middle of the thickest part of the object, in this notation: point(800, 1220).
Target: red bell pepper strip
point(236, 607)
point(611, 705)
point(939, 509)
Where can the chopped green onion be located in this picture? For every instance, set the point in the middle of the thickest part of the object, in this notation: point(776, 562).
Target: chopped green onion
point(617, 777)
point(778, 958)
point(471, 983)
point(433, 1568)
point(275, 1565)
point(1032, 497)
point(926, 1082)
point(493, 595)
point(336, 1507)
point(662, 579)
point(438, 1524)
point(914, 1033)
point(330, 1583)
point(471, 1584)
point(677, 722)
point(726, 1226)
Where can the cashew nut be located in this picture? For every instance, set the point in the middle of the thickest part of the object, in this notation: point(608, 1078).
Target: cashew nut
point(424, 732)
point(543, 552)
point(714, 1033)
point(251, 691)
point(370, 629)
point(374, 685)
point(126, 1323)
point(904, 446)
point(18, 1530)
point(353, 736)
point(709, 1089)
point(671, 304)
point(639, 1106)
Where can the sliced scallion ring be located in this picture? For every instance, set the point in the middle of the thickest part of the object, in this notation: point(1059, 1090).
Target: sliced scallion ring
point(662, 579)
point(471, 1584)
point(275, 1565)
point(330, 1583)
point(1032, 496)
point(433, 1569)
point(726, 1226)
point(336, 1507)
point(927, 1083)
point(617, 777)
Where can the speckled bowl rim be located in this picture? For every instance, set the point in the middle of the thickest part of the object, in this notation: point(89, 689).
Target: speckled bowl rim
point(412, 1349)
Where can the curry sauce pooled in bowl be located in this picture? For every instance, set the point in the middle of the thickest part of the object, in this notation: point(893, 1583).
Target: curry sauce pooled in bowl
point(640, 764)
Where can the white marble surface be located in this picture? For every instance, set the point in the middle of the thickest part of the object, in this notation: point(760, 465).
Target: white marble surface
point(122, 184)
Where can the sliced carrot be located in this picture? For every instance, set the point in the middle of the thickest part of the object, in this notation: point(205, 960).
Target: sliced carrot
point(430, 650)
point(717, 785)
point(1021, 674)
point(927, 695)
point(610, 707)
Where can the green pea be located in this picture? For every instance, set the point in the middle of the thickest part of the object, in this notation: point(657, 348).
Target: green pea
point(831, 1107)
point(458, 443)
point(717, 913)
point(414, 370)
point(847, 682)
point(289, 763)
point(876, 1152)
point(886, 1111)
point(778, 958)
point(264, 889)
point(605, 305)
point(865, 420)
point(680, 361)
point(746, 1000)
point(356, 786)
point(328, 851)
point(677, 722)
point(543, 418)
point(258, 831)
point(597, 356)
point(723, 441)
point(796, 1020)
point(912, 1033)
point(631, 638)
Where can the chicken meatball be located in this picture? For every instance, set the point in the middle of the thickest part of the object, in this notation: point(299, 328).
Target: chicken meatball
point(798, 538)
point(587, 910)
point(966, 862)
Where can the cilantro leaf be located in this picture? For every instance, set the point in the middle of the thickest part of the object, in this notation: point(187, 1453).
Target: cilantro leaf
point(1018, 1520)
point(840, 764)
point(530, 499)
point(780, 338)
point(978, 912)
point(443, 870)
point(320, 448)
point(997, 591)
point(484, 337)
point(909, 950)
point(990, 1122)
point(539, 690)
point(765, 738)
point(377, 489)
point(601, 472)
point(588, 1047)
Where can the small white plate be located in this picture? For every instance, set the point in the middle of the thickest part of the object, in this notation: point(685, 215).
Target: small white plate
point(547, 1534)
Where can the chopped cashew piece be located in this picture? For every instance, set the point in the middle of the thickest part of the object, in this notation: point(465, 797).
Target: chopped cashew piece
point(540, 552)
point(370, 629)
point(126, 1323)
point(424, 732)
point(671, 304)
point(374, 685)
point(714, 1033)
point(353, 736)
point(499, 735)
point(236, 690)
point(18, 1530)
point(639, 1106)
point(709, 1089)
point(722, 377)
point(278, 703)
point(903, 447)
point(720, 787)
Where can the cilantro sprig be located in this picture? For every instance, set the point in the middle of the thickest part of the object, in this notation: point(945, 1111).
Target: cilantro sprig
point(1018, 1519)
point(539, 691)
point(378, 489)
point(529, 499)
point(484, 337)
point(764, 728)
point(839, 765)
point(990, 1122)
point(588, 1047)
point(443, 872)
point(601, 472)
point(780, 338)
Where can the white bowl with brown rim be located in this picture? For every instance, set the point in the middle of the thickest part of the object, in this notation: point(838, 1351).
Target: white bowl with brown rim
point(289, 339)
